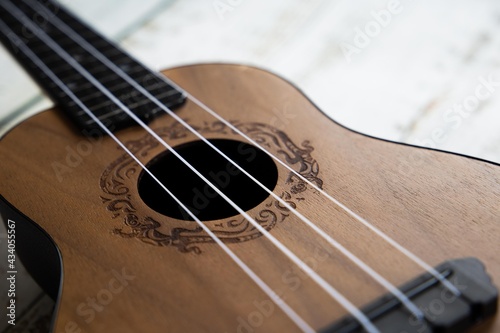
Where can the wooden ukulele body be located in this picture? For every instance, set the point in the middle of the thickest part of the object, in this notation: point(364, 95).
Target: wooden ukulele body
point(127, 268)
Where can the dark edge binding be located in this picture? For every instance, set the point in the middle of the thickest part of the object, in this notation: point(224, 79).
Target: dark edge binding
point(37, 251)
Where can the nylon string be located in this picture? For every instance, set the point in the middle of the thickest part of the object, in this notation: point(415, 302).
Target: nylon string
point(361, 317)
point(380, 279)
point(396, 292)
point(356, 216)
point(281, 304)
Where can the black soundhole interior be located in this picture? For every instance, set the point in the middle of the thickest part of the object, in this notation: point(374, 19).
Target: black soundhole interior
point(197, 195)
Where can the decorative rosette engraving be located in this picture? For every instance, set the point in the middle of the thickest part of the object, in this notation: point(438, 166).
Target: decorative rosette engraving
point(121, 176)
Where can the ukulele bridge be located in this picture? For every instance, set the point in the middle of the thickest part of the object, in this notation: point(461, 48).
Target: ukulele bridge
point(443, 311)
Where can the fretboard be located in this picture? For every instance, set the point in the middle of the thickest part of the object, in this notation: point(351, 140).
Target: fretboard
point(53, 34)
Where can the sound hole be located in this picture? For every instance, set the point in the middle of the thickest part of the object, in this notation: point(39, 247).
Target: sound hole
point(197, 195)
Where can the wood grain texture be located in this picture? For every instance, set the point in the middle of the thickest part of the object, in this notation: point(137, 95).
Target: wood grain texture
point(21, 97)
point(440, 206)
point(401, 85)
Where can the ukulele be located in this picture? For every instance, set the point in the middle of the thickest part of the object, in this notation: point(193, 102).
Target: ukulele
point(175, 202)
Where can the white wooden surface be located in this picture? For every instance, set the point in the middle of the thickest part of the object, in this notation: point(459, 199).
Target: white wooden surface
point(402, 85)
point(403, 82)
point(19, 98)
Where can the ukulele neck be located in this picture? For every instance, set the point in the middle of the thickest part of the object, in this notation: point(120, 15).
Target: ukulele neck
point(98, 72)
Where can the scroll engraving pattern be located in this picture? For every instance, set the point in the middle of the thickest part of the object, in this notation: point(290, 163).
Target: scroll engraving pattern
point(117, 179)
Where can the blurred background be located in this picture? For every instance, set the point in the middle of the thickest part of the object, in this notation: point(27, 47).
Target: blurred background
point(420, 72)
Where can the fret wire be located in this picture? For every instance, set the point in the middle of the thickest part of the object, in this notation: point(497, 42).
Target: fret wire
point(133, 70)
point(111, 114)
point(81, 86)
point(298, 320)
point(152, 111)
point(91, 93)
point(332, 291)
point(95, 108)
point(449, 286)
point(161, 93)
point(67, 42)
point(146, 101)
point(135, 105)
